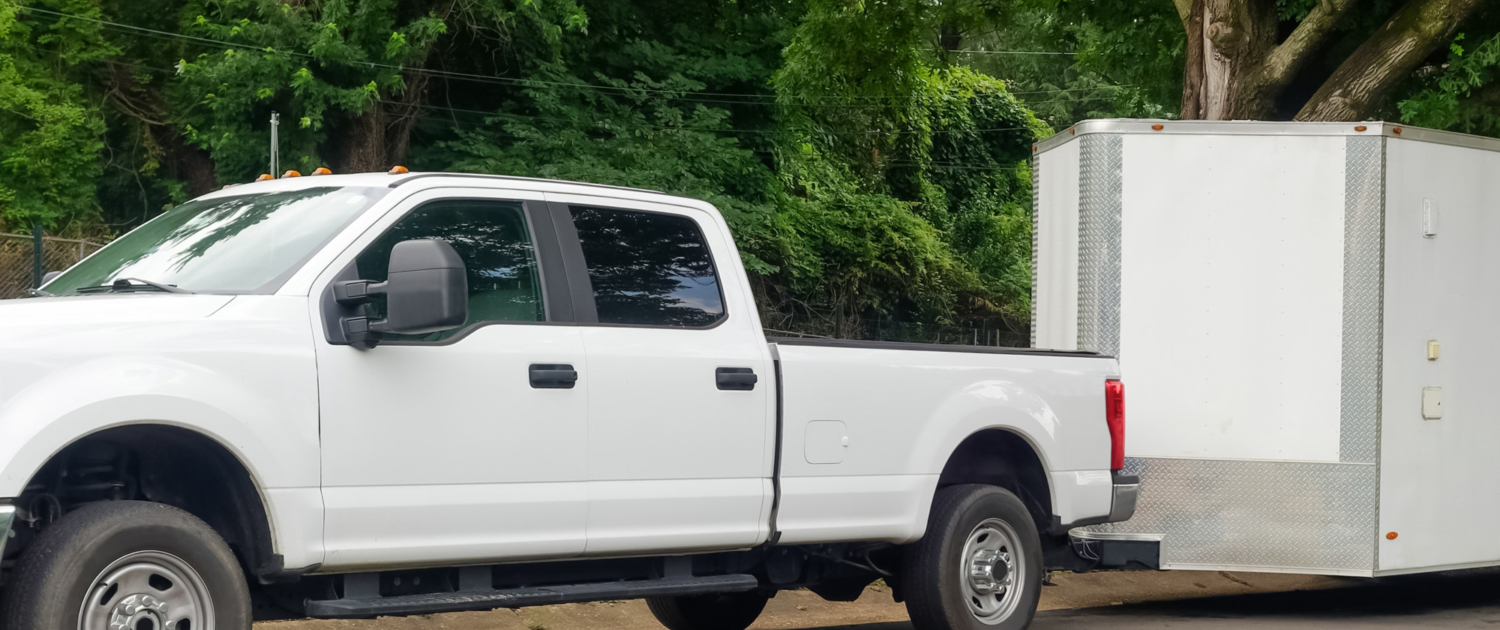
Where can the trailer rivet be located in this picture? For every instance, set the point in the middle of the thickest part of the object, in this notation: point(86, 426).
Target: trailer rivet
point(1360, 127)
point(1390, 536)
point(1157, 127)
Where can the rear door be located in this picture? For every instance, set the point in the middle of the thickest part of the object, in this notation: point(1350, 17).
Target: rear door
point(679, 438)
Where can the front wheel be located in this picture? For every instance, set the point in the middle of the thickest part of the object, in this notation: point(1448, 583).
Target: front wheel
point(725, 611)
point(127, 565)
point(980, 565)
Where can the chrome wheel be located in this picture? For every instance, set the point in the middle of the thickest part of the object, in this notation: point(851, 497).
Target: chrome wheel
point(147, 590)
point(993, 571)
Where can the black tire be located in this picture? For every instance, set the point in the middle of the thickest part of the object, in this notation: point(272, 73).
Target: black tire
point(934, 569)
point(67, 564)
point(723, 611)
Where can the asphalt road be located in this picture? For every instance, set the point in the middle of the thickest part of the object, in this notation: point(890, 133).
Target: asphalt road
point(1440, 602)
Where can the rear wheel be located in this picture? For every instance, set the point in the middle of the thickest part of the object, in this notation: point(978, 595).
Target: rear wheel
point(724, 611)
point(978, 567)
point(127, 565)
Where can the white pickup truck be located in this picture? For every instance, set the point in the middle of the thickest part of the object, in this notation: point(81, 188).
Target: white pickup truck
point(349, 396)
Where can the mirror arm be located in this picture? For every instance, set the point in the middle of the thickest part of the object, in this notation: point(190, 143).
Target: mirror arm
point(356, 292)
point(361, 331)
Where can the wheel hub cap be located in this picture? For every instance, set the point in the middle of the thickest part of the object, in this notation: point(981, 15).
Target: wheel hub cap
point(989, 571)
point(138, 611)
point(993, 571)
point(147, 590)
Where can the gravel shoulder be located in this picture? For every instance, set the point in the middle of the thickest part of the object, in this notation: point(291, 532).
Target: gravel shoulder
point(802, 609)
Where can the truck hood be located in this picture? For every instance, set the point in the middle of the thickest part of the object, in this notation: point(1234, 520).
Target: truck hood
point(108, 309)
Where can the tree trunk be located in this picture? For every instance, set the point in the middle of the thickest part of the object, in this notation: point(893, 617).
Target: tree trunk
point(1360, 85)
point(403, 117)
point(1229, 42)
point(1236, 70)
point(363, 148)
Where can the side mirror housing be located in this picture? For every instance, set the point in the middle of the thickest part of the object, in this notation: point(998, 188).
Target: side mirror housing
point(426, 290)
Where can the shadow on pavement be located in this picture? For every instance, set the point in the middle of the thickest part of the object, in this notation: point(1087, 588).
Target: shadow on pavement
point(1439, 600)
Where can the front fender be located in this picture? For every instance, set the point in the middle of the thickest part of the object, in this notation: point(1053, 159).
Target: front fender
point(114, 391)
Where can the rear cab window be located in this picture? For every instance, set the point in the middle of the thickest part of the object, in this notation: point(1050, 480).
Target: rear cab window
point(649, 268)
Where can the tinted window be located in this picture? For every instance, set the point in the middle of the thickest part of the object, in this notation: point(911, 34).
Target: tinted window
point(648, 269)
point(492, 239)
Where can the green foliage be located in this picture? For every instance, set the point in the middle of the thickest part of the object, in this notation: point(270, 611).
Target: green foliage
point(1122, 59)
point(872, 166)
point(1452, 98)
point(306, 61)
point(49, 130)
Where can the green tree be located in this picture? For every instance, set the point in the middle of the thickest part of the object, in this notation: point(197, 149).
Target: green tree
point(50, 132)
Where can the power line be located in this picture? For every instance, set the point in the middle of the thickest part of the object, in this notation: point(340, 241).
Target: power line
point(761, 99)
point(1014, 52)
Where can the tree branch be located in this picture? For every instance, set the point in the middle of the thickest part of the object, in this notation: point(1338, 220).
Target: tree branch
point(1185, 11)
point(1288, 58)
point(1358, 86)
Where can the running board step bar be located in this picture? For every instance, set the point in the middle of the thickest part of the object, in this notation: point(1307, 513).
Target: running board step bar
point(519, 597)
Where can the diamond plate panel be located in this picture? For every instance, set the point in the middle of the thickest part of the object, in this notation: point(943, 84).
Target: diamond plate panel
point(1274, 515)
point(1364, 297)
point(1099, 203)
point(1036, 227)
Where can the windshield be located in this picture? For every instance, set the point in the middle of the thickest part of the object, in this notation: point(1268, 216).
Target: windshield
point(242, 244)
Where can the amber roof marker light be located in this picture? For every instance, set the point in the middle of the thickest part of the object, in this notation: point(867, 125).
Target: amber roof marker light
point(1397, 130)
point(397, 170)
point(264, 177)
point(1360, 127)
point(1390, 535)
point(322, 170)
point(291, 174)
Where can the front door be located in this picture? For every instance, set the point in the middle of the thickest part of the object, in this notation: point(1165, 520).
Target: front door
point(443, 447)
point(679, 458)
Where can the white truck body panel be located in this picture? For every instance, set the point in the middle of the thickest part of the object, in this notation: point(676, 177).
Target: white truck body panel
point(891, 440)
point(442, 455)
point(1270, 292)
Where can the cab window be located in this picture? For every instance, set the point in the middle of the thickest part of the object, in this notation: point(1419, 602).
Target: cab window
point(496, 246)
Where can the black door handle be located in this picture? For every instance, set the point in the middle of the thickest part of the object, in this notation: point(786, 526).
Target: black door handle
point(553, 376)
point(736, 379)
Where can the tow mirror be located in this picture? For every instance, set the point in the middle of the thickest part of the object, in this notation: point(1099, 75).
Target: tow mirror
point(426, 290)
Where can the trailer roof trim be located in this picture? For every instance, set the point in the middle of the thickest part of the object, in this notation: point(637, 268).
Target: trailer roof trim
point(1265, 128)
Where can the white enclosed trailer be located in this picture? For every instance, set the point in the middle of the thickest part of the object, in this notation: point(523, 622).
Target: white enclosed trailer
point(1305, 316)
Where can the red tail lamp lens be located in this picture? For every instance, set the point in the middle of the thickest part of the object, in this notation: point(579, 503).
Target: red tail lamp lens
point(1114, 416)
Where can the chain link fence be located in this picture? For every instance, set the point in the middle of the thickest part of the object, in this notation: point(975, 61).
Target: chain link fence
point(17, 260)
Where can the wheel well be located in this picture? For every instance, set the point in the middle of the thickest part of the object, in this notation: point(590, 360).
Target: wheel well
point(1001, 458)
point(155, 463)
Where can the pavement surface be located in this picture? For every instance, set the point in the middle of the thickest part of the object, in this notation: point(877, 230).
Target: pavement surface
point(1102, 601)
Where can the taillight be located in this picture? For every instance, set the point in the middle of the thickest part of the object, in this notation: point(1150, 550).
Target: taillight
point(1114, 416)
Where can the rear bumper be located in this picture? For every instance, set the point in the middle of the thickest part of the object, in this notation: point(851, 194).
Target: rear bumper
point(1127, 489)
